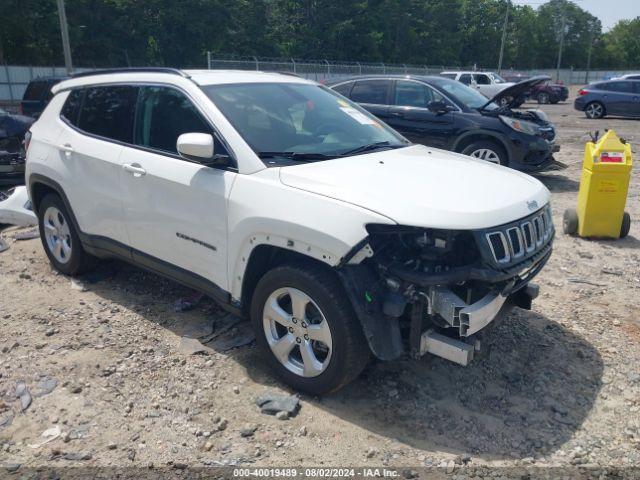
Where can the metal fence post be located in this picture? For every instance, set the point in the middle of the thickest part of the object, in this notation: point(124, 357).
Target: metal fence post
point(384, 68)
point(328, 68)
point(257, 64)
point(208, 60)
point(294, 65)
point(359, 68)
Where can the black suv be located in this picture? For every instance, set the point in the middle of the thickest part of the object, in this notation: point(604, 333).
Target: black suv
point(443, 113)
point(37, 95)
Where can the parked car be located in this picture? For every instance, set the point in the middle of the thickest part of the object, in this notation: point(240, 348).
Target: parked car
point(12, 157)
point(443, 113)
point(547, 92)
point(37, 95)
point(629, 76)
point(613, 97)
point(15, 208)
point(290, 205)
point(487, 83)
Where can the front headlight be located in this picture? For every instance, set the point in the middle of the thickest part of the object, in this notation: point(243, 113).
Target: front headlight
point(522, 126)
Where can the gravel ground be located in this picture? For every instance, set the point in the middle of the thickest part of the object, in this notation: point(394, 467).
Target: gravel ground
point(111, 381)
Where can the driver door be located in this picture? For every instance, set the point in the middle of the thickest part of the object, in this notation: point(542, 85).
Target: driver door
point(176, 210)
point(411, 117)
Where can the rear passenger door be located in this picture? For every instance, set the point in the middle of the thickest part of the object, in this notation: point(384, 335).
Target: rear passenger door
point(410, 115)
point(176, 210)
point(374, 95)
point(99, 121)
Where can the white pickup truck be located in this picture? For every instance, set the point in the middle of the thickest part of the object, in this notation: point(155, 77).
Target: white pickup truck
point(289, 205)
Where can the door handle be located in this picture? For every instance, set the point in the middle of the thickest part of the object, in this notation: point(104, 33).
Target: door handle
point(134, 168)
point(66, 148)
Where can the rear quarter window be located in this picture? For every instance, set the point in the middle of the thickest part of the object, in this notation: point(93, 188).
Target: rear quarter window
point(71, 107)
point(343, 89)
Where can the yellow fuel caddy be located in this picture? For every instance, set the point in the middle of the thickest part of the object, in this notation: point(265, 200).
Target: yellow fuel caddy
point(606, 171)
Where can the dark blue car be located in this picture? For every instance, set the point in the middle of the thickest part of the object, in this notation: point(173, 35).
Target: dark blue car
point(614, 97)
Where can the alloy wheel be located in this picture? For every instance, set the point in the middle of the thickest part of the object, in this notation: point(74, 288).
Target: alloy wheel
point(297, 332)
point(594, 110)
point(57, 234)
point(487, 155)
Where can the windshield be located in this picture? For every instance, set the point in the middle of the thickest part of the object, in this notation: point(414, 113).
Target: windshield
point(466, 95)
point(497, 78)
point(284, 122)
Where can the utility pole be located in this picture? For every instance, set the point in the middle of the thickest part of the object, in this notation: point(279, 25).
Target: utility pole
point(66, 47)
point(563, 25)
point(504, 37)
point(586, 77)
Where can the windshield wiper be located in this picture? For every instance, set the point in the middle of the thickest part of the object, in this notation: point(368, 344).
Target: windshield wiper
point(302, 157)
point(369, 147)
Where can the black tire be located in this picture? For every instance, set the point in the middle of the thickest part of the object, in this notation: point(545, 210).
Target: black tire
point(78, 261)
point(488, 145)
point(543, 98)
point(554, 101)
point(350, 351)
point(626, 225)
point(595, 110)
point(570, 222)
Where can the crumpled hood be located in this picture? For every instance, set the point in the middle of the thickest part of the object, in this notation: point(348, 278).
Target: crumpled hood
point(424, 187)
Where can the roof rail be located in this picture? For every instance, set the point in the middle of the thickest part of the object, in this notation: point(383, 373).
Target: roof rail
point(104, 71)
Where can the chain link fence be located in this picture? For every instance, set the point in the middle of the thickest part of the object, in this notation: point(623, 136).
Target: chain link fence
point(320, 70)
point(15, 78)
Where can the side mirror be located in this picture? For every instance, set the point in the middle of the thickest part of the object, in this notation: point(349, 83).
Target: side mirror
point(198, 147)
point(439, 107)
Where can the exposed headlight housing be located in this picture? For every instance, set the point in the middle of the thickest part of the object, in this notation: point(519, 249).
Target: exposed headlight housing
point(521, 126)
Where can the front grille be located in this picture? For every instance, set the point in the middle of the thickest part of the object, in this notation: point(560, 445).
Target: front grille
point(514, 242)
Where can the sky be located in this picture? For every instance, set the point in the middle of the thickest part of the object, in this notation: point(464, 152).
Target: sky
point(608, 11)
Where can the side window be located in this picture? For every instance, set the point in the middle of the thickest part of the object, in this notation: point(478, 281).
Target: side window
point(465, 78)
point(452, 76)
point(71, 107)
point(482, 79)
point(412, 94)
point(371, 91)
point(108, 112)
point(622, 87)
point(163, 115)
point(344, 89)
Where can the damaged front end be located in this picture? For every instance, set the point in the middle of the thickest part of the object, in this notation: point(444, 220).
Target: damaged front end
point(420, 290)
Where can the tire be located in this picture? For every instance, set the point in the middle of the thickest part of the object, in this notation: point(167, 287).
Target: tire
point(626, 225)
point(543, 98)
point(554, 101)
point(570, 222)
point(487, 150)
point(334, 362)
point(60, 239)
point(595, 110)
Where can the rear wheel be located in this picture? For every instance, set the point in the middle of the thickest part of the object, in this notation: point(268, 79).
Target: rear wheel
point(60, 239)
point(488, 151)
point(595, 110)
point(543, 98)
point(570, 222)
point(306, 329)
point(626, 225)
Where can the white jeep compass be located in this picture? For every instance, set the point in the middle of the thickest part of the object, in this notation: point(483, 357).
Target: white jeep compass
point(289, 205)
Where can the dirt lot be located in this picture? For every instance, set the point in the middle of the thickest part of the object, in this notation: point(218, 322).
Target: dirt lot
point(557, 386)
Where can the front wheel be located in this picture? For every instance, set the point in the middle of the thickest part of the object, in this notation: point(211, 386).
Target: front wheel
point(543, 98)
point(488, 151)
point(306, 329)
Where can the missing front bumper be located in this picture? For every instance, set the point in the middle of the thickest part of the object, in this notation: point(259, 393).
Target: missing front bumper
point(468, 319)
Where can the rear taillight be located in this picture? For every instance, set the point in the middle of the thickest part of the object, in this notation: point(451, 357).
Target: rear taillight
point(583, 92)
point(27, 141)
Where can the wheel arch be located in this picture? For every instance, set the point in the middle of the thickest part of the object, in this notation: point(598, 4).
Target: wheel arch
point(465, 140)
